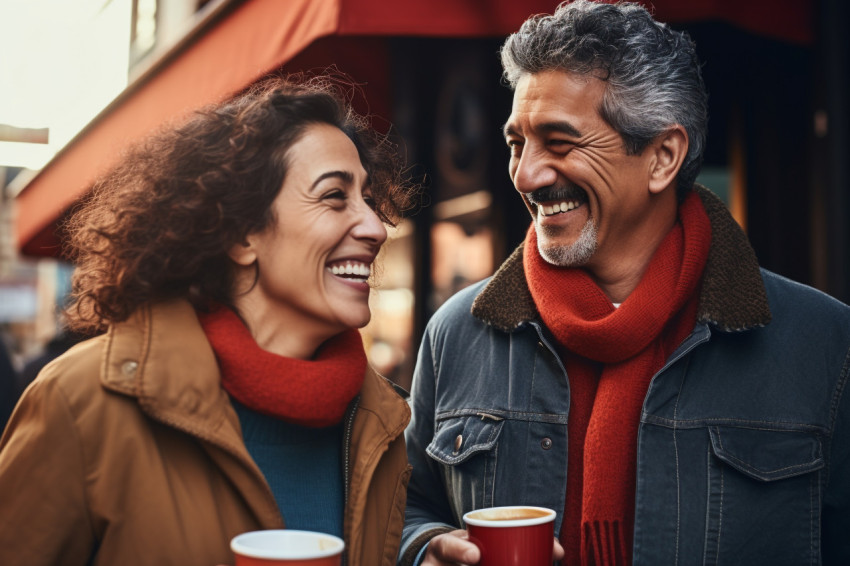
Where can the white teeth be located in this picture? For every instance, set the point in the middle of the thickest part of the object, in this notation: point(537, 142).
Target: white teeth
point(557, 208)
point(358, 269)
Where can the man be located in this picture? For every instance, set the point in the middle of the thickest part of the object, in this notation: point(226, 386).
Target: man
point(629, 366)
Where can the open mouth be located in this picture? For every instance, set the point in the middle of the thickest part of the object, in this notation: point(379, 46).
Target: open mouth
point(355, 271)
point(558, 207)
point(557, 200)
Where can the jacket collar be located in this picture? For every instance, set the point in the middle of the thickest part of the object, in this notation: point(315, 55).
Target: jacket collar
point(161, 356)
point(732, 296)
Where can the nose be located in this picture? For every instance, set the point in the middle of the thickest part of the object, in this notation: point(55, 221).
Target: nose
point(369, 226)
point(531, 171)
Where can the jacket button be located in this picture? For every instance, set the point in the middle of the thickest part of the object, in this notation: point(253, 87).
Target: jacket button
point(190, 400)
point(458, 443)
point(546, 443)
point(129, 368)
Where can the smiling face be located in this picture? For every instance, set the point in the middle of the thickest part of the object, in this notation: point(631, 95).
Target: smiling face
point(591, 202)
point(315, 258)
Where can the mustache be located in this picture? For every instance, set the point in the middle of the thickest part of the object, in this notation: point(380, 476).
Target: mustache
point(558, 191)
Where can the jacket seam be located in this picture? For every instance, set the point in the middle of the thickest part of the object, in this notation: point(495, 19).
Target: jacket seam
point(839, 391)
point(840, 388)
point(779, 425)
point(676, 452)
point(400, 491)
point(487, 474)
point(433, 354)
point(707, 527)
point(379, 448)
point(813, 486)
point(747, 466)
point(720, 515)
point(390, 434)
point(549, 418)
point(66, 406)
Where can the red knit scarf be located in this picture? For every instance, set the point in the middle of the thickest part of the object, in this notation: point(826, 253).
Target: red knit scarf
point(610, 356)
point(306, 392)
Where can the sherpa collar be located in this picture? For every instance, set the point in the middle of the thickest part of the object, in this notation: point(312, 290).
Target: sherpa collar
point(732, 296)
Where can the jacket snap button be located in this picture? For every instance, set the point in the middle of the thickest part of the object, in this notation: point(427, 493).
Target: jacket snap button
point(190, 401)
point(546, 443)
point(129, 368)
point(458, 443)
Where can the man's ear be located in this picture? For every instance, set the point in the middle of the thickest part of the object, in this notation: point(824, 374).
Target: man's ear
point(670, 149)
point(243, 253)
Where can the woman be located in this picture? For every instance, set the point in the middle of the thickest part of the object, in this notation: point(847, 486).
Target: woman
point(229, 262)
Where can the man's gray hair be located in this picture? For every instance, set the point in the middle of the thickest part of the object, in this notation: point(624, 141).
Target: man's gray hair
point(652, 71)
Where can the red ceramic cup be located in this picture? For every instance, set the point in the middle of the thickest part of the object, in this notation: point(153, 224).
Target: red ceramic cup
point(287, 548)
point(512, 536)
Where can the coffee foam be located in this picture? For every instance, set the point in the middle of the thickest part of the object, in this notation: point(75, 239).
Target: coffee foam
point(510, 516)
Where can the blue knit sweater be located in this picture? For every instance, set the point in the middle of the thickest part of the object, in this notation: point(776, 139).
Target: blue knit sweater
point(303, 467)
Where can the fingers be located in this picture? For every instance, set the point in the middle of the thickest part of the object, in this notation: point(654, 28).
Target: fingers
point(450, 549)
point(558, 550)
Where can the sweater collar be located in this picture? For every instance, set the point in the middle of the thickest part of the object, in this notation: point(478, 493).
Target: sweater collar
point(732, 297)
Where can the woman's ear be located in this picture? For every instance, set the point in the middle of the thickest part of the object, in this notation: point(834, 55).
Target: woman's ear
point(671, 148)
point(243, 253)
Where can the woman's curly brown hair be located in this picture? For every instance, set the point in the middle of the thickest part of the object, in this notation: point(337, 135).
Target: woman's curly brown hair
point(160, 224)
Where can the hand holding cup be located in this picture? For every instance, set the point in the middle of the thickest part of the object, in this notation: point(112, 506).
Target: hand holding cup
point(513, 536)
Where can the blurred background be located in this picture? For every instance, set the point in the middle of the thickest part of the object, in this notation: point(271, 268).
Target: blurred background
point(83, 79)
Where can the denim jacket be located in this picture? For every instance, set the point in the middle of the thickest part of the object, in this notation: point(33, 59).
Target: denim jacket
point(744, 441)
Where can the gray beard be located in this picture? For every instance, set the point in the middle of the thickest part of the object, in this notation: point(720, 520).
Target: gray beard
point(576, 254)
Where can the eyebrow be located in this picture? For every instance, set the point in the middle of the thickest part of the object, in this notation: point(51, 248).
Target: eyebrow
point(560, 127)
point(345, 176)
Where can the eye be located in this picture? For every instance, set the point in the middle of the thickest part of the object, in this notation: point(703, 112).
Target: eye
point(515, 145)
point(557, 144)
point(334, 194)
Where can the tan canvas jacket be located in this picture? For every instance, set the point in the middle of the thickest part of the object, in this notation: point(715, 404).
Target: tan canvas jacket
point(126, 450)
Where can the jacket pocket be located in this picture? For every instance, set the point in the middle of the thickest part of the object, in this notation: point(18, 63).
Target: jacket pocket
point(767, 455)
point(466, 448)
point(764, 505)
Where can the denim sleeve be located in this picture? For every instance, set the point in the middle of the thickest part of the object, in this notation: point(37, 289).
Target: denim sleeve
point(428, 513)
point(836, 502)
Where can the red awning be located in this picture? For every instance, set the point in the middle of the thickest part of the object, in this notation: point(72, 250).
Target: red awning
point(242, 40)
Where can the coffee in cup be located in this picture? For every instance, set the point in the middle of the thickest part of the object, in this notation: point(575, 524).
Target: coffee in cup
point(284, 547)
point(512, 536)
